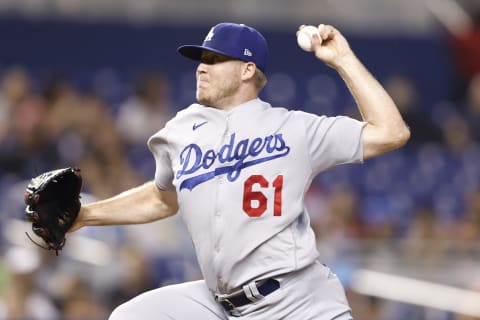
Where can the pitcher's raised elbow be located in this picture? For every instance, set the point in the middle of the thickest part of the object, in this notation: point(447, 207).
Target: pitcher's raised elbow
point(401, 137)
point(406, 135)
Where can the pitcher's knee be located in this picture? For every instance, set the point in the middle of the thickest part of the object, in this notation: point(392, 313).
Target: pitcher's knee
point(145, 307)
point(119, 313)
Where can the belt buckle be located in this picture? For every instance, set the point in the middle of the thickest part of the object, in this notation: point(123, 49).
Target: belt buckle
point(227, 304)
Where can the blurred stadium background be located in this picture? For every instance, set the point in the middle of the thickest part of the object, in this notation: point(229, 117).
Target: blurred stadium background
point(85, 82)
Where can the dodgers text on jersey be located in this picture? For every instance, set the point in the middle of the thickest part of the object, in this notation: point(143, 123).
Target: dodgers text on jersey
point(230, 159)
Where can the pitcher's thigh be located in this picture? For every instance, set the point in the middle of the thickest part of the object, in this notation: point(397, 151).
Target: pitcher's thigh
point(185, 301)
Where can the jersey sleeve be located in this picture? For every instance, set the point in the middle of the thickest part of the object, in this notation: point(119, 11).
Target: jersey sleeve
point(158, 145)
point(332, 141)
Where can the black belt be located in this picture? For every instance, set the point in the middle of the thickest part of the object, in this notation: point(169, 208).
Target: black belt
point(241, 299)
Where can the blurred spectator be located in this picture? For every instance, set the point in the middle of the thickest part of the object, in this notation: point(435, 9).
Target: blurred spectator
point(366, 307)
point(136, 275)
point(424, 239)
point(146, 111)
point(404, 93)
point(142, 114)
point(335, 222)
point(15, 86)
point(465, 43)
point(25, 149)
point(22, 299)
point(81, 303)
point(468, 227)
point(83, 130)
point(62, 104)
point(457, 135)
point(472, 105)
point(104, 166)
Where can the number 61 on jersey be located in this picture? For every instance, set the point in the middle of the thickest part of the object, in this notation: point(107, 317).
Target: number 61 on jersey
point(255, 203)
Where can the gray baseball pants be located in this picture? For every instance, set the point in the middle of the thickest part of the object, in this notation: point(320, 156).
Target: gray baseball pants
point(311, 293)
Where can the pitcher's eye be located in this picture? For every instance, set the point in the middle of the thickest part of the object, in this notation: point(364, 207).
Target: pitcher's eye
point(214, 58)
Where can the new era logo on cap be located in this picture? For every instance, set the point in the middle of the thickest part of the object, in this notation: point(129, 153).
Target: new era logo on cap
point(233, 40)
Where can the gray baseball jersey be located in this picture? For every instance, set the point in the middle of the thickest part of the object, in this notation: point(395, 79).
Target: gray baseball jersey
point(241, 176)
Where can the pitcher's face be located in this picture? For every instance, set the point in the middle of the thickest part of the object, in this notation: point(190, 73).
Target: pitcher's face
point(218, 79)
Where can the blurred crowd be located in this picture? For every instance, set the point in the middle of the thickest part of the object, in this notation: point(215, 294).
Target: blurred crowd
point(52, 125)
point(416, 209)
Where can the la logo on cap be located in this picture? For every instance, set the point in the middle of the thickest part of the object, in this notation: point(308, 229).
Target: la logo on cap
point(210, 35)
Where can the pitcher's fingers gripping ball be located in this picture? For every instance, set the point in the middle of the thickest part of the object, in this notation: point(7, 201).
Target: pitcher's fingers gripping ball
point(304, 37)
point(306, 34)
point(327, 43)
point(53, 203)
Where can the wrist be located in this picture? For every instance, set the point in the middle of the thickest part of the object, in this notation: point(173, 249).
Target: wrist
point(347, 63)
point(350, 69)
point(80, 220)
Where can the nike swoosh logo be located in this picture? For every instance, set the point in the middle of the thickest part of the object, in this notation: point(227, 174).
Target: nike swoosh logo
point(196, 126)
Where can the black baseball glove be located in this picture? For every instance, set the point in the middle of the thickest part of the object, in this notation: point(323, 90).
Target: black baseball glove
point(53, 203)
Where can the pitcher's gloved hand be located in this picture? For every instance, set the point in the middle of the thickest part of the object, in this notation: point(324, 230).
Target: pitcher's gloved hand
point(53, 203)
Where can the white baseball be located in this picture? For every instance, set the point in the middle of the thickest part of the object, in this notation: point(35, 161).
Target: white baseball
point(304, 38)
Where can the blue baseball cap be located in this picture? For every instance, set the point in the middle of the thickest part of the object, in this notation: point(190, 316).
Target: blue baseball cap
point(233, 40)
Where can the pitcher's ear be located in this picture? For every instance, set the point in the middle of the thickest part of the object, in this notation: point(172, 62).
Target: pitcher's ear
point(248, 70)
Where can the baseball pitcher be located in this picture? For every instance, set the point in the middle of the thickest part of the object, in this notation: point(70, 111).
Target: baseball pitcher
point(237, 169)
